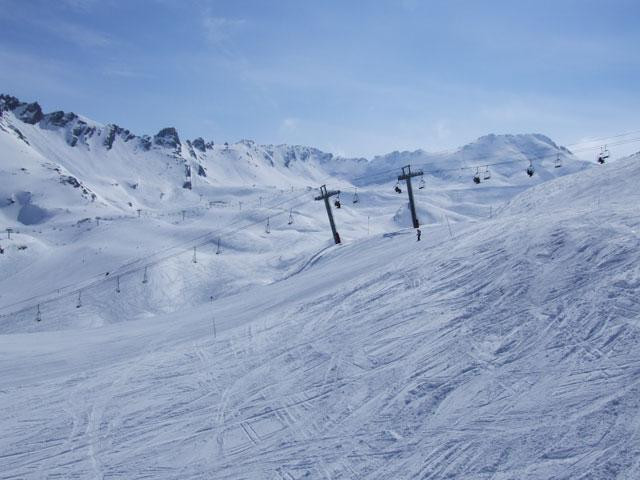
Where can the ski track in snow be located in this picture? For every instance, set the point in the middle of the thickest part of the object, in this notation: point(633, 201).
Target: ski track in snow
point(505, 350)
point(510, 366)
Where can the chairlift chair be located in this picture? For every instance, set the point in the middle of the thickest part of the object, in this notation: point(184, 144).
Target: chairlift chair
point(355, 196)
point(397, 188)
point(558, 163)
point(290, 217)
point(487, 173)
point(476, 177)
point(530, 169)
point(337, 201)
point(422, 183)
point(604, 154)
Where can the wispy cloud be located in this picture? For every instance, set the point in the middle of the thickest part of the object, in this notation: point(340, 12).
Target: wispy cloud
point(25, 71)
point(57, 25)
point(219, 30)
point(83, 5)
point(123, 71)
point(289, 124)
point(77, 34)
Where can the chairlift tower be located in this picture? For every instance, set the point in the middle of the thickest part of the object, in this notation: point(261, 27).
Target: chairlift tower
point(407, 174)
point(326, 195)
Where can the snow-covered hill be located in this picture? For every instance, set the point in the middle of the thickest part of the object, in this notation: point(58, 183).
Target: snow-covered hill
point(65, 162)
point(504, 347)
point(96, 206)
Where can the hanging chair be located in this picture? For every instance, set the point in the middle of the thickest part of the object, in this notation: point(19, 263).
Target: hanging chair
point(530, 169)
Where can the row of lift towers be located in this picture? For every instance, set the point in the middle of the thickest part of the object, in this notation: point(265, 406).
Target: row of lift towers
point(406, 176)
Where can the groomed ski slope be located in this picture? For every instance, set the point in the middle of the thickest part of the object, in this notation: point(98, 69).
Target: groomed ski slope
point(508, 351)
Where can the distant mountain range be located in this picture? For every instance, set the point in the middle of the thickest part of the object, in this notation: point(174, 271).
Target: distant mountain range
point(58, 161)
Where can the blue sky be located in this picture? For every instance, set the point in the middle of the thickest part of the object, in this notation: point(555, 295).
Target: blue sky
point(351, 77)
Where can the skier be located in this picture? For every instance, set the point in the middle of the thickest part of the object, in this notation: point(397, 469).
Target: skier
point(418, 234)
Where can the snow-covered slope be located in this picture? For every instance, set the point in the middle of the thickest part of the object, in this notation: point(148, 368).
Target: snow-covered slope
point(90, 202)
point(503, 348)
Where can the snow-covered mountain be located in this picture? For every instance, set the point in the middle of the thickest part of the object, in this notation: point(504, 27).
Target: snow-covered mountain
point(60, 161)
point(88, 201)
point(501, 346)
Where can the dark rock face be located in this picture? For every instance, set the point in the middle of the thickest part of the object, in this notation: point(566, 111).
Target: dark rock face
point(199, 144)
point(81, 131)
point(191, 151)
point(73, 181)
point(7, 103)
point(69, 180)
point(201, 171)
point(27, 112)
point(113, 131)
point(293, 153)
point(168, 138)
point(59, 118)
point(30, 113)
point(145, 142)
point(19, 133)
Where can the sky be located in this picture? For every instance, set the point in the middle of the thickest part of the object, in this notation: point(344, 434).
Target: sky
point(355, 78)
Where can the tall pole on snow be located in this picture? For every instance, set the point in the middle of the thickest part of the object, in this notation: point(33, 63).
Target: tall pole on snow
point(407, 174)
point(325, 195)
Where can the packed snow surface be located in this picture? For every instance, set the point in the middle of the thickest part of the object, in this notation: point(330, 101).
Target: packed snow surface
point(501, 346)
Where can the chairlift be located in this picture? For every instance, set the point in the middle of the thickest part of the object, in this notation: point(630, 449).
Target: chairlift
point(355, 196)
point(397, 187)
point(604, 154)
point(530, 169)
point(558, 162)
point(422, 183)
point(487, 173)
point(290, 216)
point(476, 177)
point(267, 228)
